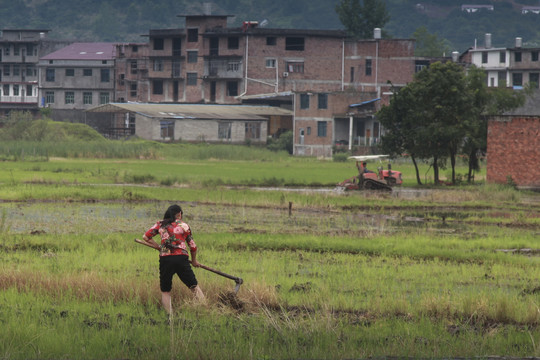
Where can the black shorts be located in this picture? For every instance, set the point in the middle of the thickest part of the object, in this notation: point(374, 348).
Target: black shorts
point(175, 264)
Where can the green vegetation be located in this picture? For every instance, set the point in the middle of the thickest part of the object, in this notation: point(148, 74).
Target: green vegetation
point(441, 272)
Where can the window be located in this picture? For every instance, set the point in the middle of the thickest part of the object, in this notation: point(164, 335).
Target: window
point(87, 72)
point(501, 78)
point(158, 65)
point(49, 75)
point(133, 66)
point(135, 48)
point(294, 43)
point(304, 101)
point(295, 66)
point(233, 42)
point(133, 90)
point(419, 65)
point(16, 50)
point(157, 87)
point(158, 43)
point(271, 63)
point(16, 90)
point(70, 72)
point(308, 130)
point(233, 66)
point(29, 90)
point(502, 57)
point(87, 98)
point(352, 73)
point(177, 47)
point(192, 56)
point(49, 97)
point(7, 70)
point(271, 40)
point(193, 35)
point(517, 56)
point(105, 75)
point(167, 129)
point(232, 88)
point(103, 98)
point(484, 57)
point(69, 97)
point(517, 79)
point(368, 67)
point(224, 130)
point(534, 80)
point(6, 50)
point(253, 130)
point(16, 70)
point(121, 79)
point(6, 90)
point(323, 101)
point(192, 78)
point(321, 128)
point(534, 56)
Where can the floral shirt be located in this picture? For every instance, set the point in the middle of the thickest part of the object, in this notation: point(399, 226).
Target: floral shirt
point(175, 238)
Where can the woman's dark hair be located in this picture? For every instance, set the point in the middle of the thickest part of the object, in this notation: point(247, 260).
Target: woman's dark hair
point(170, 215)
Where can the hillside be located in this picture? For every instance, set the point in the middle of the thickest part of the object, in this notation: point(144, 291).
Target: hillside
point(125, 20)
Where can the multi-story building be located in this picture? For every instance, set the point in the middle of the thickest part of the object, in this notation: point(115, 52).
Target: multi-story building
point(515, 67)
point(131, 68)
point(20, 51)
point(78, 77)
point(210, 63)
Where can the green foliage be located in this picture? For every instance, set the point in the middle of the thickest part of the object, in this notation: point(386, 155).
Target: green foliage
point(360, 18)
point(283, 143)
point(340, 157)
point(429, 45)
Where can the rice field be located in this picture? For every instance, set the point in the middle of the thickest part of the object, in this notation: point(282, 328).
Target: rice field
point(431, 273)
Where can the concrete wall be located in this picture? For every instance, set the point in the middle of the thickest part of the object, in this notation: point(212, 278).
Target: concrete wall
point(198, 130)
point(514, 151)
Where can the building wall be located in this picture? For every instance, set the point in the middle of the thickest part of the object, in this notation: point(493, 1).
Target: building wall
point(131, 80)
point(198, 130)
point(78, 84)
point(513, 150)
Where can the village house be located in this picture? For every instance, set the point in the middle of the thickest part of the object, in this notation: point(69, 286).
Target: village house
point(516, 66)
point(20, 51)
point(78, 77)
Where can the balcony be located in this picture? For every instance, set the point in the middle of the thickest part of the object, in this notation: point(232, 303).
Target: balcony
point(223, 68)
point(19, 99)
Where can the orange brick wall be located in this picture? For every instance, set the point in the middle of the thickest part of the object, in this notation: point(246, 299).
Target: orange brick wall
point(513, 149)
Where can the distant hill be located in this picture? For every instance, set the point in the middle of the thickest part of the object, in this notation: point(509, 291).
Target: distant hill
point(127, 20)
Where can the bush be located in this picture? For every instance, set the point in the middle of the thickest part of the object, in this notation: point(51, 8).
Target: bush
point(340, 157)
point(284, 142)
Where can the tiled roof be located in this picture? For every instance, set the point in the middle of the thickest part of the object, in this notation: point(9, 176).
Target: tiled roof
point(84, 51)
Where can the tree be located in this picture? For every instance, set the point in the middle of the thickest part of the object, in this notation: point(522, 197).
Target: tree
point(360, 19)
point(429, 45)
point(443, 113)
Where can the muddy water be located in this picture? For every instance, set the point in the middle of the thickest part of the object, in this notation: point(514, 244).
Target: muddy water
point(111, 217)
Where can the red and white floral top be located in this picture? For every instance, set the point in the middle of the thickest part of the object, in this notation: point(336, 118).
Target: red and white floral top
point(175, 238)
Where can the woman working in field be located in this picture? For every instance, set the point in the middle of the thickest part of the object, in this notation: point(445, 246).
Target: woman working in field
point(173, 255)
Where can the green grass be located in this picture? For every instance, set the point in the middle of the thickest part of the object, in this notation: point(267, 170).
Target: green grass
point(343, 275)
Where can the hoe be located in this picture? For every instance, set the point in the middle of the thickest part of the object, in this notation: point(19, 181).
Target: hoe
point(237, 280)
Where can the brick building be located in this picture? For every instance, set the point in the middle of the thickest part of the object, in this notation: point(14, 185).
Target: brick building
point(513, 146)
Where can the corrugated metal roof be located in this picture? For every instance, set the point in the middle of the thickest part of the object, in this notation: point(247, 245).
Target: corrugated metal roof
point(194, 111)
point(84, 51)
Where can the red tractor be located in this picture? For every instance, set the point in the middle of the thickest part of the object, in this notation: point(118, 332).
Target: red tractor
point(367, 179)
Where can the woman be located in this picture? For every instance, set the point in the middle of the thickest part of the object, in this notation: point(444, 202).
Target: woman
point(173, 255)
